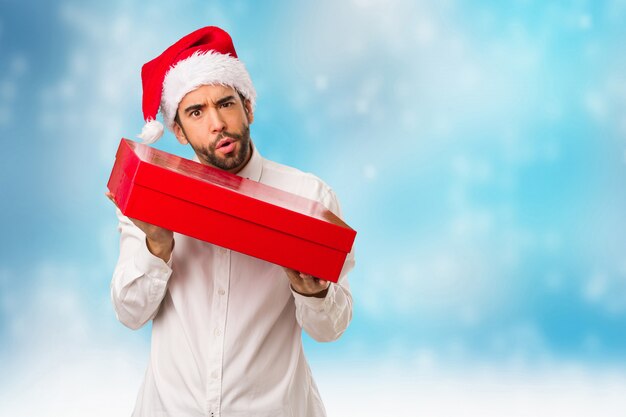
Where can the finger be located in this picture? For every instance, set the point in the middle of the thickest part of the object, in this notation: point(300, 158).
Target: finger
point(311, 277)
point(110, 196)
point(293, 276)
point(321, 283)
point(290, 272)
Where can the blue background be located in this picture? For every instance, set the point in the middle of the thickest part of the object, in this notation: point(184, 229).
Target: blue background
point(478, 148)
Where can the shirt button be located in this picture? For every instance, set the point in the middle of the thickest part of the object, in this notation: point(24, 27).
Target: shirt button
point(218, 332)
point(221, 291)
point(214, 374)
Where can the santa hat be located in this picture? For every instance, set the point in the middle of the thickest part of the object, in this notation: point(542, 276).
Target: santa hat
point(204, 57)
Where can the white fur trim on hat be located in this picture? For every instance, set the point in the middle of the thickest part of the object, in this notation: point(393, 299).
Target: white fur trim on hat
point(203, 69)
point(151, 131)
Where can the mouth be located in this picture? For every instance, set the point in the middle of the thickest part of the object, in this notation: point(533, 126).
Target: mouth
point(226, 145)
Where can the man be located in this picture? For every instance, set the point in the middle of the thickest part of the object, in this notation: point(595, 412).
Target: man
point(226, 327)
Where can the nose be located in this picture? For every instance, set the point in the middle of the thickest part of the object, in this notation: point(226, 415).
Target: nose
point(216, 122)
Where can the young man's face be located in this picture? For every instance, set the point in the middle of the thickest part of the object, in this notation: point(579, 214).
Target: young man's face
point(216, 123)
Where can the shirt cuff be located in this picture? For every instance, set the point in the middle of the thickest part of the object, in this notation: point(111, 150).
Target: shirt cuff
point(313, 303)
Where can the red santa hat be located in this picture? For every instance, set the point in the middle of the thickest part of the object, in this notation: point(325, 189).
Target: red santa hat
point(204, 57)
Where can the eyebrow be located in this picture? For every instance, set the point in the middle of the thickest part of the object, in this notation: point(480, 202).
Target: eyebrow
point(224, 100)
point(193, 107)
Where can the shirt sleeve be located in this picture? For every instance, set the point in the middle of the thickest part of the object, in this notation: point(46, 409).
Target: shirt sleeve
point(139, 280)
point(325, 319)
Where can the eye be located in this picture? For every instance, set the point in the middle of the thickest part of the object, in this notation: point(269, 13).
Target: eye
point(195, 113)
point(227, 104)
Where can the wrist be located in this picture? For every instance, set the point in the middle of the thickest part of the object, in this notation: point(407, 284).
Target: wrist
point(160, 249)
point(320, 294)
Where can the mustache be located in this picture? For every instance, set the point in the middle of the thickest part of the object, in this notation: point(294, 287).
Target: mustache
point(221, 136)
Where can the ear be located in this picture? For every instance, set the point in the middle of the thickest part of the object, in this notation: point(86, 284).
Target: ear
point(180, 134)
point(247, 107)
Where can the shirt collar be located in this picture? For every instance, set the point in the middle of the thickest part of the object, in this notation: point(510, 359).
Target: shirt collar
point(254, 167)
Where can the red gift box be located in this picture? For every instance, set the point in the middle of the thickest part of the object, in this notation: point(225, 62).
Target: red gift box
point(230, 211)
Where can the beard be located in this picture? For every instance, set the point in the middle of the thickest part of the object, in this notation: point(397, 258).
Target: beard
point(230, 161)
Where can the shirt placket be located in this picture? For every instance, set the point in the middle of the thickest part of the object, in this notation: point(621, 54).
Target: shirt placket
point(218, 326)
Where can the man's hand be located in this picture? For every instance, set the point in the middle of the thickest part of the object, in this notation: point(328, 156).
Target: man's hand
point(307, 285)
point(160, 241)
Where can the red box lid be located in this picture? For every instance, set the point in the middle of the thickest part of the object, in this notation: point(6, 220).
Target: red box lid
point(240, 197)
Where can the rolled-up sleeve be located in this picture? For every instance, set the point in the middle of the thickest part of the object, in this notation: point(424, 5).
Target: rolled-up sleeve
point(139, 280)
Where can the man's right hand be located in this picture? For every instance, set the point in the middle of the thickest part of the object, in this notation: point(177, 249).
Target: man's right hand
point(160, 241)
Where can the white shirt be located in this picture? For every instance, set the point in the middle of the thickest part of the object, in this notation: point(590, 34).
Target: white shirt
point(226, 331)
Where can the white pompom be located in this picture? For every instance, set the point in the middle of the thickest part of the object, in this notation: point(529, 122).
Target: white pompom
point(151, 131)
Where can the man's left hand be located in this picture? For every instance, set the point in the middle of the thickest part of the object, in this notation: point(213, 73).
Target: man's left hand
point(307, 285)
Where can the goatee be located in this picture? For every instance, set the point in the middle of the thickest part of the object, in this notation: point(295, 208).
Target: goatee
point(228, 162)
